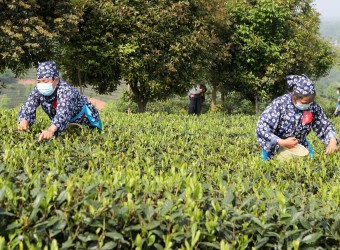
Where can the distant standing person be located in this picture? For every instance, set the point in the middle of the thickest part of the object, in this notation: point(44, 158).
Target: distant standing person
point(61, 102)
point(337, 109)
point(196, 97)
point(289, 119)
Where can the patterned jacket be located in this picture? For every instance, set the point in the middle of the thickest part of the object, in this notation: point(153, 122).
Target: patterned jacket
point(282, 120)
point(64, 104)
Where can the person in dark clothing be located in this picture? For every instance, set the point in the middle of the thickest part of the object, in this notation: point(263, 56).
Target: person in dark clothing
point(196, 97)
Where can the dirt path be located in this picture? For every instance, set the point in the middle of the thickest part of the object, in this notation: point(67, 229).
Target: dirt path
point(26, 81)
point(97, 103)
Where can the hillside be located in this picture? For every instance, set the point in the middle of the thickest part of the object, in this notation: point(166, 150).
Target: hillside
point(18, 89)
point(330, 28)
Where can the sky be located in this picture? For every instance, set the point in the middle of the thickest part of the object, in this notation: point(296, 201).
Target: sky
point(328, 8)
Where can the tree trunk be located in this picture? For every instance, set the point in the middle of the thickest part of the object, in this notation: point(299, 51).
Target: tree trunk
point(141, 106)
point(139, 98)
point(257, 108)
point(81, 88)
point(129, 98)
point(213, 97)
point(222, 96)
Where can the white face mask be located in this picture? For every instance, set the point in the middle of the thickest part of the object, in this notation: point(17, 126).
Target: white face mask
point(302, 106)
point(45, 89)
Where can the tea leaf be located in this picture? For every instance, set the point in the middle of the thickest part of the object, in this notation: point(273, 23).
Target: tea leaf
point(311, 238)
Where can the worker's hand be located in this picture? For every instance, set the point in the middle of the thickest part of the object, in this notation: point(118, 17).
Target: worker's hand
point(290, 142)
point(24, 126)
point(332, 146)
point(48, 134)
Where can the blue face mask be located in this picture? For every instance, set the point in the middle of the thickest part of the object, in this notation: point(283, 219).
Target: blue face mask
point(45, 89)
point(301, 106)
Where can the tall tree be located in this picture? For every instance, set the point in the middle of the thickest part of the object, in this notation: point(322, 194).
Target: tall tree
point(149, 44)
point(274, 38)
point(91, 56)
point(30, 30)
point(162, 36)
point(214, 42)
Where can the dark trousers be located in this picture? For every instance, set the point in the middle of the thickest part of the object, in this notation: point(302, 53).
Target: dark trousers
point(195, 105)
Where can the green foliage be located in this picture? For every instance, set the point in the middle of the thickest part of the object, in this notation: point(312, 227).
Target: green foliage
point(150, 45)
point(13, 94)
point(332, 79)
point(175, 105)
point(163, 42)
point(235, 103)
point(159, 48)
point(328, 105)
point(327, 91)
point(272, 39)
point(214, 44)
point(332, 91)
point(155, 181)
point(30, 31)
point(90, 57)
point(3, 100)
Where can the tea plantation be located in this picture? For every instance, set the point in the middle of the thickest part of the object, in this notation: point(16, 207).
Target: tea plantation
point(162, 181)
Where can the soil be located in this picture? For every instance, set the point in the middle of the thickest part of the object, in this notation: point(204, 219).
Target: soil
point(27, 81)
point(97, 103)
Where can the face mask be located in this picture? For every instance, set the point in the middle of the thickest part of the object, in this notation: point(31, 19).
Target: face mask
point(45, 89)
point(301, 106)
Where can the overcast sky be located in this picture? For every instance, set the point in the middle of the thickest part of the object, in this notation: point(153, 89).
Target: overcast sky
point(328, 8)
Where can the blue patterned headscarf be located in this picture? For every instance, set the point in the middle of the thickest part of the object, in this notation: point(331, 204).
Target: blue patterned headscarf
point(47, 70)
point(301, 84)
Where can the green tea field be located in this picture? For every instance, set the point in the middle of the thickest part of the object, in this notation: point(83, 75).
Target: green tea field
point(162, 181)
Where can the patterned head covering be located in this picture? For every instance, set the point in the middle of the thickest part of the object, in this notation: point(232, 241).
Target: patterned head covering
point(47, 70)
point(301, 84)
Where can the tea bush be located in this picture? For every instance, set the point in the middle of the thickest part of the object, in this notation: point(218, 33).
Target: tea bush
point(173, 105)
point(158, 181)
point(233, 104)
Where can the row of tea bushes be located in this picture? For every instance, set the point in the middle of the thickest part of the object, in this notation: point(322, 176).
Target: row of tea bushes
point(156, 181)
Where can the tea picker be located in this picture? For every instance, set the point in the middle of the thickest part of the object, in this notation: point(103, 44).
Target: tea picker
point(60, 101)
point(196, 98)
point(337, 109)
point(288, 120)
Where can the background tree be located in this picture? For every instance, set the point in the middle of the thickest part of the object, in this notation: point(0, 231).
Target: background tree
point(272, 39)
point(162, 48)
point(159, 47)
point(214, 43)
point(150, 45)
point(30, 30)
point(91, 56)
